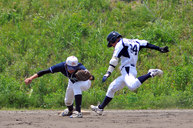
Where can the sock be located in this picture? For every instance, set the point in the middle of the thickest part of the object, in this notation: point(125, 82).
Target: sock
point(105, 102)
point(70, 108)
point(144, 77)
point(78, 101)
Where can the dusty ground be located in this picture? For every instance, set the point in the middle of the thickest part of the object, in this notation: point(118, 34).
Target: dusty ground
point(110, 119)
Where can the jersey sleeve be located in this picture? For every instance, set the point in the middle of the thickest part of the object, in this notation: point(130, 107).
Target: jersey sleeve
point(57, 68)
point(145, 44)
point(142, 43)
point(118, 48)
point(43, 72)
point(81, 66)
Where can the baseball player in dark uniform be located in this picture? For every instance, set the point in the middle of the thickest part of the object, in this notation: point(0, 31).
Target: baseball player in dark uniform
point(75, 87)
point(127, 51)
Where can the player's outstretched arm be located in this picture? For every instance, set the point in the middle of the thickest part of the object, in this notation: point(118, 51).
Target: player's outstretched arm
point(164, 49)
point(39, 74)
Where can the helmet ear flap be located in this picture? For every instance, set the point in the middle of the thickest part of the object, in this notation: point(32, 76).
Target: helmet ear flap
point(112, 41)
point(112, 37)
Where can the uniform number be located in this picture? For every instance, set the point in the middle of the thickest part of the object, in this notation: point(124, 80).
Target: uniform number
point(134, 49)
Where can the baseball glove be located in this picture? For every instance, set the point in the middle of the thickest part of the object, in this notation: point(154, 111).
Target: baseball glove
point(82, 75)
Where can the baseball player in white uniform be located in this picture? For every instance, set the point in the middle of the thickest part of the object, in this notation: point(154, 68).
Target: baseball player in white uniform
point(75, 87)
point(127, 51)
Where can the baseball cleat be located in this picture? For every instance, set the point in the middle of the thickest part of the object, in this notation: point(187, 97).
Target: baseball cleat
point(66, 112)
point(96, 109)
point(76, 114)
point(155, 72)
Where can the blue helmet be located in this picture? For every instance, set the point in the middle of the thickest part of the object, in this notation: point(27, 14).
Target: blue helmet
point(112, 37)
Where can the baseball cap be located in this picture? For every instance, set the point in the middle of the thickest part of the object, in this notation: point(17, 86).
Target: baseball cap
point(72, 63)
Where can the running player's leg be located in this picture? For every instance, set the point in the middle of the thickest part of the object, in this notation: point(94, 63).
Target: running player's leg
point(129, 73)
point(133, 83)
point(116, 85)
point(151, 73)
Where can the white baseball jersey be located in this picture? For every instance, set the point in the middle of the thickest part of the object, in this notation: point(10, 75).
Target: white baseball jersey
point(127, 50)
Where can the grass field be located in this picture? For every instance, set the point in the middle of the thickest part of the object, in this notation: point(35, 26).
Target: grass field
point(36, 34)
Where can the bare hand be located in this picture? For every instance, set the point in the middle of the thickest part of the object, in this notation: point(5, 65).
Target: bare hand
point(28, 81)
point(91, 78)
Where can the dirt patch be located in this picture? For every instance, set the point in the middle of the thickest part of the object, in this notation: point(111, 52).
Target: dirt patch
point(110, 119)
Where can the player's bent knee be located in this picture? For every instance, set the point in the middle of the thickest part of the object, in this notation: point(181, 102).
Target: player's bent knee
point(133, 86)
point(68, 104)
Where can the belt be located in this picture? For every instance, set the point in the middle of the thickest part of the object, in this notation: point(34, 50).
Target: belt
point(130, 65)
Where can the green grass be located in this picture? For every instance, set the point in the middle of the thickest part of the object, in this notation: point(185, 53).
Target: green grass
point(35, 35)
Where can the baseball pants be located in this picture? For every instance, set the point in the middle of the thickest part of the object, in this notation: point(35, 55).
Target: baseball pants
point(75, 89)
point(127, 78)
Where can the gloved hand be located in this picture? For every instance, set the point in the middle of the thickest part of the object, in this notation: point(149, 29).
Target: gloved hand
point(106, 76)
point(83, 75)
point(164, 49)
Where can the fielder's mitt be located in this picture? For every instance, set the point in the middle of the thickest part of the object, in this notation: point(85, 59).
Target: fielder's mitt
point(82, 75)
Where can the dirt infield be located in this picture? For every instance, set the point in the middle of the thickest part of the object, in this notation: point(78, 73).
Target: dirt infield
point(110, 119)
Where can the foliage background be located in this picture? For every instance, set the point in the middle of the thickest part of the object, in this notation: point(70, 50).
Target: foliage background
point(36, 34)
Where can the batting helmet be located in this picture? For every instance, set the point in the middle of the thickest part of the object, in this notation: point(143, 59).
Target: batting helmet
point(112, 37)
